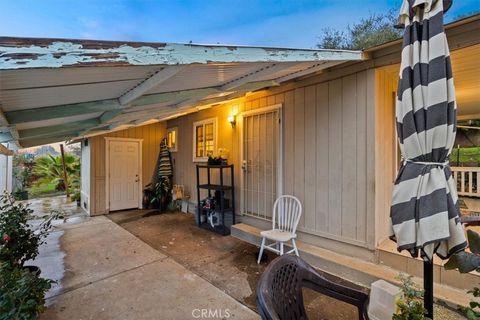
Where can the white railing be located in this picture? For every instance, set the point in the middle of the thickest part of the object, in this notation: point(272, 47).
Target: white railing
point(467, 180)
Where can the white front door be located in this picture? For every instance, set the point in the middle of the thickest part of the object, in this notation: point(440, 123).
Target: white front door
point(124, 174)
point(261, 163)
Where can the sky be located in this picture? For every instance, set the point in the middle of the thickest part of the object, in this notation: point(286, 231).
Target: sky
point(293, 23)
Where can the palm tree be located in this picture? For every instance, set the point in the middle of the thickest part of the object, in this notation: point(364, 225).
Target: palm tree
point(49, 169)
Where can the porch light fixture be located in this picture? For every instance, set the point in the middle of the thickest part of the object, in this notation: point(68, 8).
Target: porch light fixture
point(232, 120)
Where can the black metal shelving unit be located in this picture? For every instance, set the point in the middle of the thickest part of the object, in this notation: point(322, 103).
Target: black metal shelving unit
point(225, 209)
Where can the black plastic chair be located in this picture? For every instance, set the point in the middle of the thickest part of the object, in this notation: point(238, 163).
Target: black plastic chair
point(279, 290)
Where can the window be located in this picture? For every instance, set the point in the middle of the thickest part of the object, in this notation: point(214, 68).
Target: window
point(204, 139)
point(172, 139)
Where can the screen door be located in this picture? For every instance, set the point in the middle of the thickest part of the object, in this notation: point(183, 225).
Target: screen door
point(261, 163)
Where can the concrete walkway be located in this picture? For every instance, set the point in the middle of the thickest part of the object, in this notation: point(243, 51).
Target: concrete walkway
point(105, 272)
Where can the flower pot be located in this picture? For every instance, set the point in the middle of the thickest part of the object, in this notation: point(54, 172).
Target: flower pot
point(215, 161)
point(155, 205)
point(22, 195)
point(33, 269)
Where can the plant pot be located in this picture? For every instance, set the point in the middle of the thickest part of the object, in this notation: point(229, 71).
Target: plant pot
point(79, 203)
point(22, 195)
point(155, 205)
point(33, 269)
point(147, 198)
point(212, 162)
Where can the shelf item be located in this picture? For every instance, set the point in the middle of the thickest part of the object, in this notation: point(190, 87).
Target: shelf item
point(217, 214)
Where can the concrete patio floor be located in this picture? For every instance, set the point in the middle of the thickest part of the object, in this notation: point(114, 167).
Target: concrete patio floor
point(107, 273)
point(139, 264)
point(226, 262)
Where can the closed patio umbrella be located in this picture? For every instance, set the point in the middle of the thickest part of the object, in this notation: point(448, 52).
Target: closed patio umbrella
point(165, 168)
point(425, 213)
point(162, 177)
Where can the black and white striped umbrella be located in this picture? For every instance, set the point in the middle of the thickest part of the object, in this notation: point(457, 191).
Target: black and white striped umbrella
point(165, 168)
point(425, 211)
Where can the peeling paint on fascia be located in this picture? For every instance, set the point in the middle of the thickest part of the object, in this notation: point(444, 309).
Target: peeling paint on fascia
point(63, 54)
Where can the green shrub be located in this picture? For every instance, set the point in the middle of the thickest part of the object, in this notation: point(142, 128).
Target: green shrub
point(472, 312)
point(410, 305)
point(22, 293)
point(19, 242)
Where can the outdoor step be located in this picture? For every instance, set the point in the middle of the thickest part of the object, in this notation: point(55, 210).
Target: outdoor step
point(388, 255)
point(353, 269)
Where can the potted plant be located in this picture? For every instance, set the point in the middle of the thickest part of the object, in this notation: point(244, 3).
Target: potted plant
point(213, 160)
point(23, 174)
point(76, 197)
point(410, 304)
point(160, 195)
point(22, 293)
point(21, 194)
point(220, 158)
point(156, 195)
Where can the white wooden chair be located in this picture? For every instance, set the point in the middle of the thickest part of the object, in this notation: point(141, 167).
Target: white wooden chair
point(286, 214)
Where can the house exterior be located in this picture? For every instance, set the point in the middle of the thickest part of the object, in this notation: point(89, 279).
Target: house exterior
point(338, 151)
point(317, 124)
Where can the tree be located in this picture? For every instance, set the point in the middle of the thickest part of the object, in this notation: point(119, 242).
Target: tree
point(49, 169)
point(368, 32)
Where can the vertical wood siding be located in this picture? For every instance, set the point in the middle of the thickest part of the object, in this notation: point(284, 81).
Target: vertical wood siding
point(151, 135)
point(386, 146)
point(328, 153)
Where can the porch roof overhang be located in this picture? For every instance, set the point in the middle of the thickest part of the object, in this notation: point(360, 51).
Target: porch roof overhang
point(56, 89)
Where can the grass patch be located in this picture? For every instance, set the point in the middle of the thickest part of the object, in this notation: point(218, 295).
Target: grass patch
point(42, 190)
point(468, 156)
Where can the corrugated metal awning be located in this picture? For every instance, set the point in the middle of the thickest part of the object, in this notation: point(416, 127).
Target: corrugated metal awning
point(55, 89)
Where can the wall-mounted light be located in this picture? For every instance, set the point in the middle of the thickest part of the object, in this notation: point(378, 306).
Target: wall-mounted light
point(232, 120)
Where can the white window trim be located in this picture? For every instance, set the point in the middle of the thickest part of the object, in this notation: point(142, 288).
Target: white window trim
point(215, 135)
point(174, 129)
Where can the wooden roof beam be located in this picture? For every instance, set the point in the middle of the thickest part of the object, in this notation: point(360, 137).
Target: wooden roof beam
point(61, 111)
point(174, 96)
point(252, 76)
point(25, 53)
point(11, 129)
point(240, 91)
point(37, 141)
point(104, 118)
point(313, 69)
point(67, 110)
point(149, 83)
point(58, 130)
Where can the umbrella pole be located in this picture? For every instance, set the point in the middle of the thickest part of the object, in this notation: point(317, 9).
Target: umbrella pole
point(428, 287)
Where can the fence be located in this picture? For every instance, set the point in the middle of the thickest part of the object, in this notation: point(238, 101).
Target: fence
point(467, 179)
